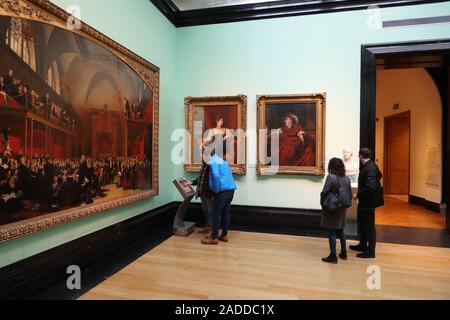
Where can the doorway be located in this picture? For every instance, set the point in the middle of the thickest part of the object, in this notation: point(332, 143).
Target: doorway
point(408, 205)
point(397, 130)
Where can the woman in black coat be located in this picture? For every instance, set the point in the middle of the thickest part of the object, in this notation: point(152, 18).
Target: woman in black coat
point(334, 220)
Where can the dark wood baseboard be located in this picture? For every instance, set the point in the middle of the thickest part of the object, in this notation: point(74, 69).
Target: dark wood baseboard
point(265, 219)
point(28, 278)
point(432, 206)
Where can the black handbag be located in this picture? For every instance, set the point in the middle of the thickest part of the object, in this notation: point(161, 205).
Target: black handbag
point(331, 201)
point(341, 199)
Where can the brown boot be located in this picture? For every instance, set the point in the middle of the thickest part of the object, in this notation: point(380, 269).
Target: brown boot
point(223, 238)
point(209, 240)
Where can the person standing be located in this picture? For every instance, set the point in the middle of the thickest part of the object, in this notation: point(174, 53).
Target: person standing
point(370, 197)
point(333, 219)
point(9, 82)
point(206, 195)
point(221, 182)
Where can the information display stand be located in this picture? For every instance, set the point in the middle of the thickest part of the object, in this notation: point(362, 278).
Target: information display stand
point(181, 227)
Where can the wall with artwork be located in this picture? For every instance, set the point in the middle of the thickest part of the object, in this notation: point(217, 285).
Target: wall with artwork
point(305, 55)
point(295, 55)
point(92, 88)
point(414, 90)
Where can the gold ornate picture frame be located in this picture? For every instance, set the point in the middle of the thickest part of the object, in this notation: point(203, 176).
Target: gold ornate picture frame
point(298, 124)
point(205, 112)
point(33, 12)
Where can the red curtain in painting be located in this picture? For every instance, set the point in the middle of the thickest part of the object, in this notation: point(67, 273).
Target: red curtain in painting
point(11, 103)
point(136, 139)
point(148, 112)
point(104, 134)
point(57, 146)
point(15, 143)
point(229, 115)
point(38, 140)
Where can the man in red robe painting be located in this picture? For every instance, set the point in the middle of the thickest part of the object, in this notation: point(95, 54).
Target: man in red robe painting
point(296, 147)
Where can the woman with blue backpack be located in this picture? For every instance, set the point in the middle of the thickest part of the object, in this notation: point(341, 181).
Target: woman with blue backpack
point(335, 198)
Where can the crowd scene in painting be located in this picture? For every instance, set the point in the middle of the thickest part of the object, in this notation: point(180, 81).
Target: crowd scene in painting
point(13, 88)
point(45, 184)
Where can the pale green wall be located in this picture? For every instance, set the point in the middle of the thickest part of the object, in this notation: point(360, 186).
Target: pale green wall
point(305, 54)
point(139, 26)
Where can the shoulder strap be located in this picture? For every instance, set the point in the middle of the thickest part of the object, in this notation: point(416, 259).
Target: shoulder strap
point(338, 181)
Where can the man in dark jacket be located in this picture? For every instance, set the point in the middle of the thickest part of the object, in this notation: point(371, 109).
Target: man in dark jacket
point(370, 196)
point(206, 196)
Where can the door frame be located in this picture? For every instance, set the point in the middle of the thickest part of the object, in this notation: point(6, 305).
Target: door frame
point(369, 54)
point(401, 115)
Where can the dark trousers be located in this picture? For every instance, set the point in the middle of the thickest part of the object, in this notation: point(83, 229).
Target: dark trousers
point(332, 235)
point(366, 228)
point(221, 216)
point(208, 208)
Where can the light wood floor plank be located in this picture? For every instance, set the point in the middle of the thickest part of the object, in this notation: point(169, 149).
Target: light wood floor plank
point(260, 266)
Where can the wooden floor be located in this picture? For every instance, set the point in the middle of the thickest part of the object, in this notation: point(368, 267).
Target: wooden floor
point(268, 266)
point(403, 214)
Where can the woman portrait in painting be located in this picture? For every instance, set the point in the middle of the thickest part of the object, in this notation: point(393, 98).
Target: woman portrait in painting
point(218, 123)
point(217, 134)
point(296, 146)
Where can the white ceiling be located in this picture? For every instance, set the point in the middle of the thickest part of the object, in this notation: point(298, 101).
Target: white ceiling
point(184, 5)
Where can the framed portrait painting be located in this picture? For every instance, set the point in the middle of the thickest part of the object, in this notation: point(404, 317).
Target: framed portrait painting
point(219, 124)
point(78, 120)
point(291, 134)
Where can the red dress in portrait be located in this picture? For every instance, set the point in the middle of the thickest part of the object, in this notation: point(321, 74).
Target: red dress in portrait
point(294, 151)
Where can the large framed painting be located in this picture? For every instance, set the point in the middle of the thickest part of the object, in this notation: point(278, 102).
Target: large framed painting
point(78, 120)
point(219, 124)
point(291, 134)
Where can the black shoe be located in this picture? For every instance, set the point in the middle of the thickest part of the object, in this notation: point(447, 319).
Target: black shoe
point(366, 255)
point(330, 259)
point(359, 247)
point(343, 255)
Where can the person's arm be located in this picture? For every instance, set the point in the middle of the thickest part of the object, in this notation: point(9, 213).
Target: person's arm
point(195, 181)
point(301, 135)
point(326, 188)
point(328, 184)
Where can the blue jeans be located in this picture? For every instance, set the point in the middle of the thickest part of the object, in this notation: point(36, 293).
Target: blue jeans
point(333, 233)
point(221, 216)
